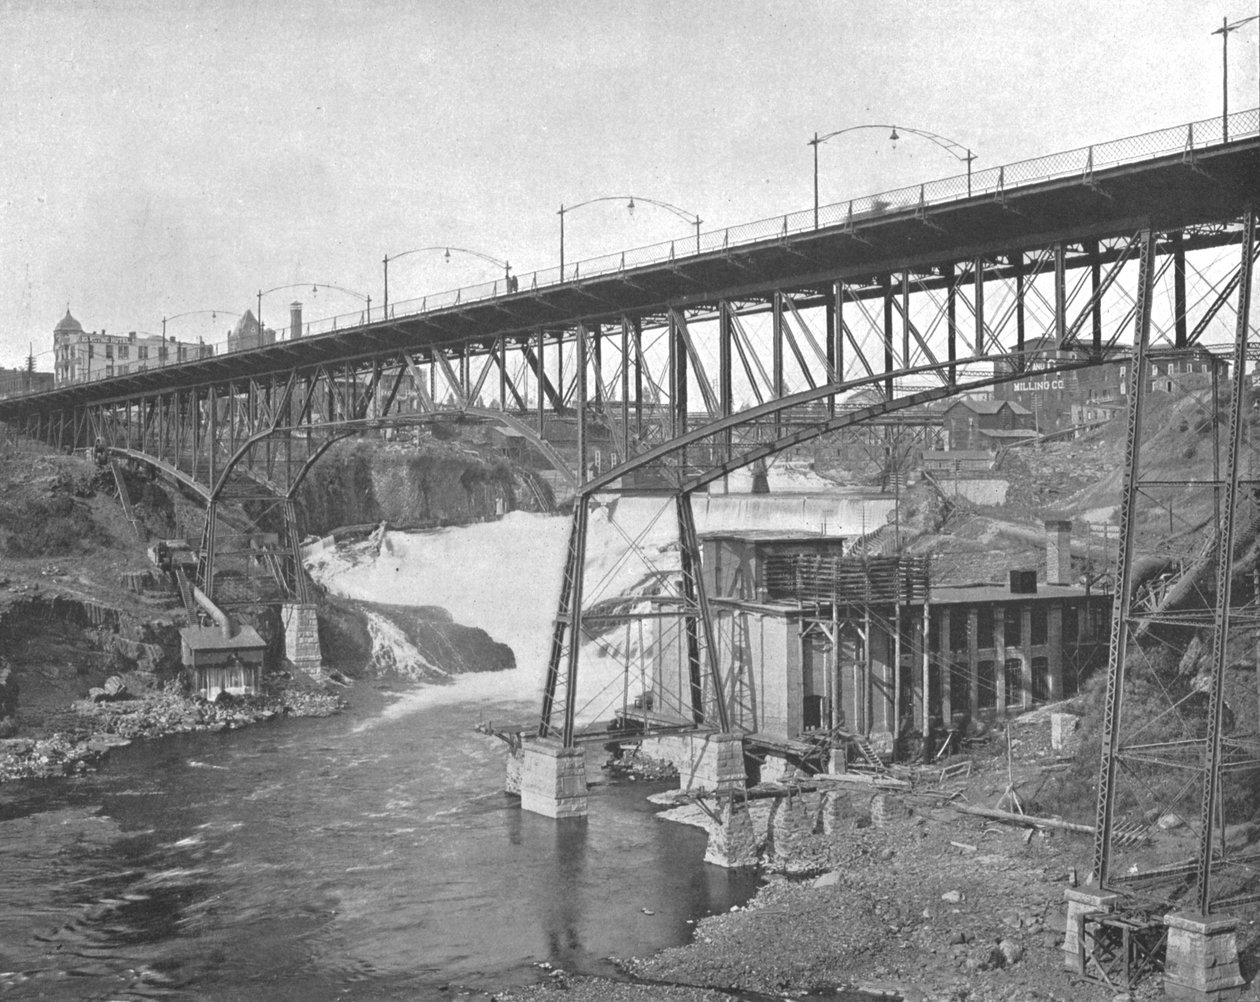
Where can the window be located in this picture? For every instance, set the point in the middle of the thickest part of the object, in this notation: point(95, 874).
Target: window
point(142, 352)
point(1014, 623)
point(123, 351)
point(957, 630)
point(959, 690)
point(1069, 624)
point(987, 678)
point(1039, 625)
point(984, 626)
point(1040, 679)
point(1013, 673)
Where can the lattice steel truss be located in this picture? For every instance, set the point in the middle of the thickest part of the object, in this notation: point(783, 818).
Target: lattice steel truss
point(1178, 806)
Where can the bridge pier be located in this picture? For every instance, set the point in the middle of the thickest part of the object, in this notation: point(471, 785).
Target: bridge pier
point(553, 779)
point(1081, 902)
point(1201, 958)
point(301, 637)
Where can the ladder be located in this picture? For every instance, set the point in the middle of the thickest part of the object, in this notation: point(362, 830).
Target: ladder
point(124, 497)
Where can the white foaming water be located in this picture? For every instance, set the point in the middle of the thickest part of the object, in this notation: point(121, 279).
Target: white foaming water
point(504, 577)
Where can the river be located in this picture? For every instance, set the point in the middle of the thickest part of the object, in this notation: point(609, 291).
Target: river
point(364, 856)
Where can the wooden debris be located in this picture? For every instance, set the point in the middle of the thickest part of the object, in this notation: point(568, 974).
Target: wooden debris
point(863, 779)
point(1023, 819)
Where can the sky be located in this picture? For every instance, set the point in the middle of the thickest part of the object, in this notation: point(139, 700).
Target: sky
point(166, 158)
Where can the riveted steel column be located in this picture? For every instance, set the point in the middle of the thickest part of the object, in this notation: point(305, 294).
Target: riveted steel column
point(951, 320)
point(889, 361)
point(1017, 265)
point(625, 389)
point(1113, 699)
point(540, 373)
point(1179, 287)
point(637, 337)
point(1209, 818)
point(978, 278)
point(725, 383)
point(1095, 285)
point(1060, 292)
point(830, 309)
point(580, 350)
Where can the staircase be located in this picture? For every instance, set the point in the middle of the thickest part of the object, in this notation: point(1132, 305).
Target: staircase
point(868, 762)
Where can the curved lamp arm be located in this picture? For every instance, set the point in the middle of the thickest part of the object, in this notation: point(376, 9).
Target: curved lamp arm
point(319, 285)
point(192, 313)
point(957, 150)
point(507, 268)
point(681, 213)
point(690, 217)
point(315, 287)
point(448, 248)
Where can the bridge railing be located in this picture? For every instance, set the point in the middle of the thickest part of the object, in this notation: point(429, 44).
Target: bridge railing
point(993, 182)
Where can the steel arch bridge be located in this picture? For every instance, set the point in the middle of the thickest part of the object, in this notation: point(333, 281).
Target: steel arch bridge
point(673, 370)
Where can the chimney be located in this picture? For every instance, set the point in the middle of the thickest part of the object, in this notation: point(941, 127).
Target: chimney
point(1058, 552)
point(295, 320)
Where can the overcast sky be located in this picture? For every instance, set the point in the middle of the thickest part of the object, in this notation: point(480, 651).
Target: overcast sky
point(163, 157)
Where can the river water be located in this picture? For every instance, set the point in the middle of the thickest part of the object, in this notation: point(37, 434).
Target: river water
point(369, 855)
point(364, 856)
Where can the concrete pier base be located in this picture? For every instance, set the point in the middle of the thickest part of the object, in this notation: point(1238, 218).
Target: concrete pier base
point(553, 779)
point(715, 762)
point(1201, 959)
point(301, 637)
point(732, 841)
point(1080, 902)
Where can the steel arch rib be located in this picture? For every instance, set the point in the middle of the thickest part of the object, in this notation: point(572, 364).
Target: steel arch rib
point(171, 471)
point(774, 407)
point(345, 429)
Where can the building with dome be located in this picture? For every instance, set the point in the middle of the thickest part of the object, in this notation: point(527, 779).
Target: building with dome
point(80, 355)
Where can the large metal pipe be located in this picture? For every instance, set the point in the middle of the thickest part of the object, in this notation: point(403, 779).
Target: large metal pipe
point(226, 623)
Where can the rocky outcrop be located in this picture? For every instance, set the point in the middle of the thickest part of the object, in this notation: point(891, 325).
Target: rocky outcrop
point(367, 482)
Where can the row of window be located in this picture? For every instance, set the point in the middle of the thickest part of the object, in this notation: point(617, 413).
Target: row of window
point(1013, 626)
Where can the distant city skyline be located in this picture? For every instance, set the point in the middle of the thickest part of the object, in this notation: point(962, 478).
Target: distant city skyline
point(169, 159)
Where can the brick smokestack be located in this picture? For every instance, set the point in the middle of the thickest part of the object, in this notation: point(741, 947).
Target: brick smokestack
point(295, 320)
point(1058, 552)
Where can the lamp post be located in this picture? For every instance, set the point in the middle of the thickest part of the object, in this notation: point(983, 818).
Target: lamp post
point(507, 268)
point(683, 214)
point(1226, 27)
point(191, 313)
point(954, 149)
point(315, 287)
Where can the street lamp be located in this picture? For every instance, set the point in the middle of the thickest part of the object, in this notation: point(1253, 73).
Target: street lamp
point(315, 287)
point(192, 313)
point(1226, 27)
point(954, 149)
point(507, 268)
point(690, 217)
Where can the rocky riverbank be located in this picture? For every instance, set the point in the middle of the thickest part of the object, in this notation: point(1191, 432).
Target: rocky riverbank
point(922, 903)
point(85, 733)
